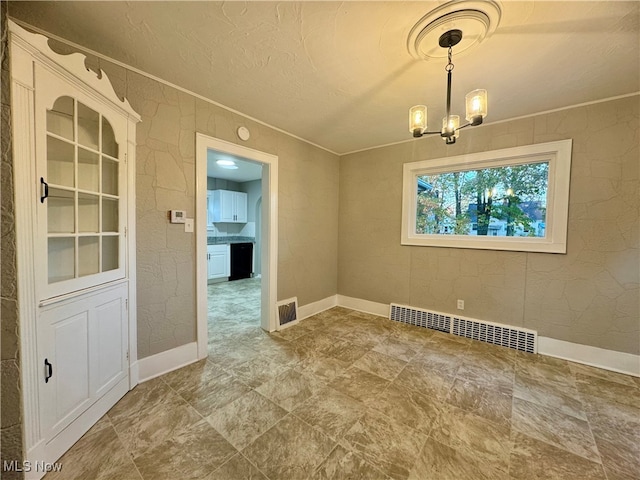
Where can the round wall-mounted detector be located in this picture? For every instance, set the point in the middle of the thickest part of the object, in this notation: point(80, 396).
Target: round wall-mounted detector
point(243, 133)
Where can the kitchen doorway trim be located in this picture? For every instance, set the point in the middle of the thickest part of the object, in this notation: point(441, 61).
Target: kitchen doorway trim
point(269, 231)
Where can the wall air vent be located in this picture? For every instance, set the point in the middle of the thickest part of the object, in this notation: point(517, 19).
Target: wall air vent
point(287, 312)
point(420, 318)
point(516, 338)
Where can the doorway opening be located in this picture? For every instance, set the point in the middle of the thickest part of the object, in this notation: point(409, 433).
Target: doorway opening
point(236, 236)
point(234, 189)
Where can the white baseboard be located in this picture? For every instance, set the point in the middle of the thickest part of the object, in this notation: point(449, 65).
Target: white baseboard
point(134, 374)
point(314, 308)
point(167, 361)
point(365, 306)
point(620, 362)
point(34, 454)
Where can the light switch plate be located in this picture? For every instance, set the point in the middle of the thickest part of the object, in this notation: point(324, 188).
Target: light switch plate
point(188, 225)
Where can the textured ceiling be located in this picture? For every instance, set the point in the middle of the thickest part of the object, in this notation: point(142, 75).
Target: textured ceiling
point(339, 74)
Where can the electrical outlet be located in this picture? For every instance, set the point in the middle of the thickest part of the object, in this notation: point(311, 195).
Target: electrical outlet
point(460, 304)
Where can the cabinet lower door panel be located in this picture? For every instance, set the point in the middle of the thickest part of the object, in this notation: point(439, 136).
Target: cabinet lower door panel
point(83, 353)
point(218, 265)
point(70, 368)
point(110, 350)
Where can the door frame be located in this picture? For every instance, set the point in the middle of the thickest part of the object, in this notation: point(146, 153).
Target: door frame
point(269, 233)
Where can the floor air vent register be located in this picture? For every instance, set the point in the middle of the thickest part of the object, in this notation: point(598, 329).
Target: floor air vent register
point(517, 338)
point(288, 312)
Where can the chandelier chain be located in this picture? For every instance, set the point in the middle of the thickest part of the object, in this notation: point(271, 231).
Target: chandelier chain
point(449, 66)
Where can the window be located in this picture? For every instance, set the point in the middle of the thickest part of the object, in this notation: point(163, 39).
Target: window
point(511, 199)
point(83, 198)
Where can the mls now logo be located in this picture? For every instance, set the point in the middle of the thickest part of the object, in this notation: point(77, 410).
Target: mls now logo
point(28, 466)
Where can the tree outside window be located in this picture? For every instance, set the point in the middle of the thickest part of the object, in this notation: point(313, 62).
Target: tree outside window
point(505, 201)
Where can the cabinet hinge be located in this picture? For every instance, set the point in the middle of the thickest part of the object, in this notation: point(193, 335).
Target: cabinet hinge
point(125, 231)
point(127, 354)
point(125, 158)
point(126, 303)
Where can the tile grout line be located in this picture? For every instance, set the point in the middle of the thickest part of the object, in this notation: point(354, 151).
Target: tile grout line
point(557, 446)
point(126, 450)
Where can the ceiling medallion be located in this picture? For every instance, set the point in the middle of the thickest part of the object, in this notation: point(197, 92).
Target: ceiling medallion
point(478, 19)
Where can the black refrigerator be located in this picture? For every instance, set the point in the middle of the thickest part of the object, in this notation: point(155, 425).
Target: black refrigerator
point(241, 260)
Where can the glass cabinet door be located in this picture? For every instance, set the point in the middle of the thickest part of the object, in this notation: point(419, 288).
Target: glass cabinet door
point(81, 192)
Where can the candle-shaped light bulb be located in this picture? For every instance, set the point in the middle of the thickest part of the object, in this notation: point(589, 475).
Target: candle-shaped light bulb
point(476, 106)
point(451, 125)
point(418, 120)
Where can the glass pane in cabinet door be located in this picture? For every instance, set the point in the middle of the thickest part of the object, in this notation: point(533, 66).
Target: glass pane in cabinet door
point(109, 176)
point(88, 126)
point(109, 145)
point(88, 170)
point(88, 215)
point(60, 211)
point(88, 255)
point(62, 258)
point(60, 118)
point(110, 253)
point(60, 162)
point(109, 215)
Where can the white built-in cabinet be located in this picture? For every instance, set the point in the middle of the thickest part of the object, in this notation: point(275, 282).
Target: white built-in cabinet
point(228, 206)
point(218, 261)
point(74, 151)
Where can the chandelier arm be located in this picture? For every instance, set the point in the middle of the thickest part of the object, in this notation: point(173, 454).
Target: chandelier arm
point(465, 125)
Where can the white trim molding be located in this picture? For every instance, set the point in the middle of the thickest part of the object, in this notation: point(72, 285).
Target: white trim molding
point(620, 362)
point(167, 361)
point(72, 67)
point(313, 308)
point(24, 171)
point(366, 306)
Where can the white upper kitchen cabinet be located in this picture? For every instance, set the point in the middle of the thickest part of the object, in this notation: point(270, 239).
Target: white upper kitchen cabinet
point(229, 207)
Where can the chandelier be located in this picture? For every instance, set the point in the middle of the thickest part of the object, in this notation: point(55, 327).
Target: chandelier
point(476, 102)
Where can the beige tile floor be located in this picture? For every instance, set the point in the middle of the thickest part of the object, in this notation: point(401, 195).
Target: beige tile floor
point(346, 395)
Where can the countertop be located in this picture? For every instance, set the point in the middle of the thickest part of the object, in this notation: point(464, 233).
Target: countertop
point(229, 239)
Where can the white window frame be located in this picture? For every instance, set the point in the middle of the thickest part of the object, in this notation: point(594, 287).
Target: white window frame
point(558, 154)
